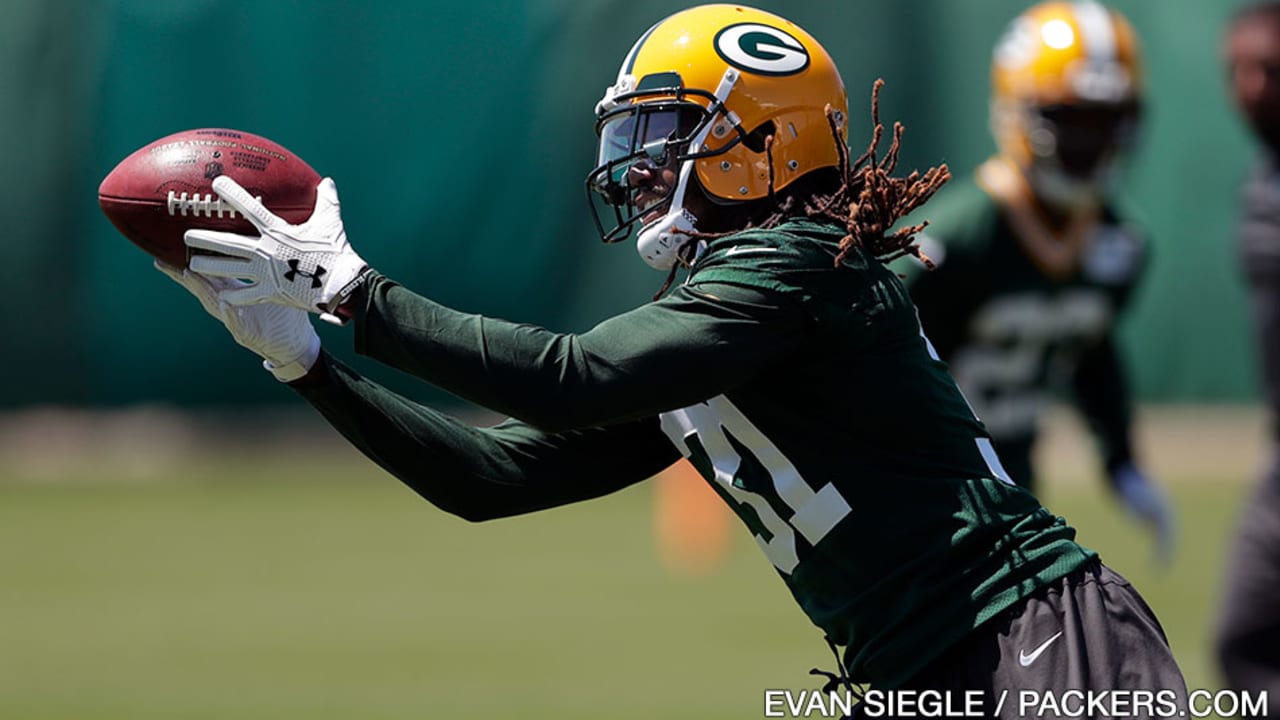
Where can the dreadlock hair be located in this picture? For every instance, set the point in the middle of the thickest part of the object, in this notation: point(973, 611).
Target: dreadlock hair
point(867, 200)
point(862, 196)
point(870, 200)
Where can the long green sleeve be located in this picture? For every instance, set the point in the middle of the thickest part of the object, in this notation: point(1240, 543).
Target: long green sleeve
point(585, 406)
point(693, 344)
point(483, 473)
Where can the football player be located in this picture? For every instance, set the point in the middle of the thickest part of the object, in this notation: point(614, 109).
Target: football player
point(1248, 633)
point(789, 368)
point(1034, 262)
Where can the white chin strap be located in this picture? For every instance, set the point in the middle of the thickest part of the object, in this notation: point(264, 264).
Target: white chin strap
point(660, 241)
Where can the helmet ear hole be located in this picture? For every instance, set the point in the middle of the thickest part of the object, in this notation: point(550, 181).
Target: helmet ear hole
point(755, 140)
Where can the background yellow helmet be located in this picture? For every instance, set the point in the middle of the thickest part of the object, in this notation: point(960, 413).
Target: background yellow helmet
point(707, 85)
point(1066, 86)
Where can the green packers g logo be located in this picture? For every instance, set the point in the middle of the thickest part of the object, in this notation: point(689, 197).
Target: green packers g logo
point(761, 49)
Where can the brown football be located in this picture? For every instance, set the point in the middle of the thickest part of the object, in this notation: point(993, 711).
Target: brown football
point(162, 190)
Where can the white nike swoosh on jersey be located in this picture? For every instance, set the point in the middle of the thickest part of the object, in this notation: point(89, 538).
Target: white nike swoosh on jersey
point(739, 250)
point(1025, 660)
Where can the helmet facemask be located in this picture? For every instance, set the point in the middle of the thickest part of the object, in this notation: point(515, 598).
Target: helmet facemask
point(1076, 149)
point(661, 125)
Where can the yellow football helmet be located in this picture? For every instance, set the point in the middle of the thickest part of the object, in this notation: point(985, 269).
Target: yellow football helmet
point(703, 88)
point(1066, 90)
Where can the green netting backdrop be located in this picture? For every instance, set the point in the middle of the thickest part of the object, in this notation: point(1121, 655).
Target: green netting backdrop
point(459, 132)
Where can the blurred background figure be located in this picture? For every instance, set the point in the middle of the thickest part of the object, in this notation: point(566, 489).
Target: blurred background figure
point(1248, 641)
point(1034, 260)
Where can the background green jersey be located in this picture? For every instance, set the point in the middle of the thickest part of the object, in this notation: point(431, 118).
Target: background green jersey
point(1014, 336)
point(804, 393)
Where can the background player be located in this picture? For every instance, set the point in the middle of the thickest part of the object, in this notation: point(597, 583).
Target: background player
point(1034, 263)
point(1248, 635)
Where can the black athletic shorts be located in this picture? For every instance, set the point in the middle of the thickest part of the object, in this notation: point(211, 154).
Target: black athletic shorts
point(1087, 645)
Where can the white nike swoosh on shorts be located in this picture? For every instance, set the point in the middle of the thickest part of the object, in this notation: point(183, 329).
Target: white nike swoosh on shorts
point(1025, 660)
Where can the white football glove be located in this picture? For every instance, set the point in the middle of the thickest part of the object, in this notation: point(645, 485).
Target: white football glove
point(1147, 502)
point(281, 336)
point(309, 266)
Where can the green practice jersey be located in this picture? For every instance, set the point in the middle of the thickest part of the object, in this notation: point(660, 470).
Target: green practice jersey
point(1013, 335)
point(805, 394)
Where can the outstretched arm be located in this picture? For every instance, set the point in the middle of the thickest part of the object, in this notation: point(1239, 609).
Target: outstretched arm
point(696, 343)
point(483, 473)
point(1102, 394)
point(693, 344)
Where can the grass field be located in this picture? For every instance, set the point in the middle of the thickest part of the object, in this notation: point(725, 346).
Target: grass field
point(280, 582)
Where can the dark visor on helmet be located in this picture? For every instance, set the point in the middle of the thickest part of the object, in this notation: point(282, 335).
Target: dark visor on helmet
point(647, 129)
point(655, 134)
point(1083, 136)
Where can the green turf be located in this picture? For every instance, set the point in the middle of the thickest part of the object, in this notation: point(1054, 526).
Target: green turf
point(313, 597)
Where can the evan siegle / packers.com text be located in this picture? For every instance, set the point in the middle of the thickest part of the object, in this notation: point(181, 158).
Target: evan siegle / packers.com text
point(1160, 703)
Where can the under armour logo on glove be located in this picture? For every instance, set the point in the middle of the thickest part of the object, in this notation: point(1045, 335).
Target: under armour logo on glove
point(293, 272)
point(269, 265)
